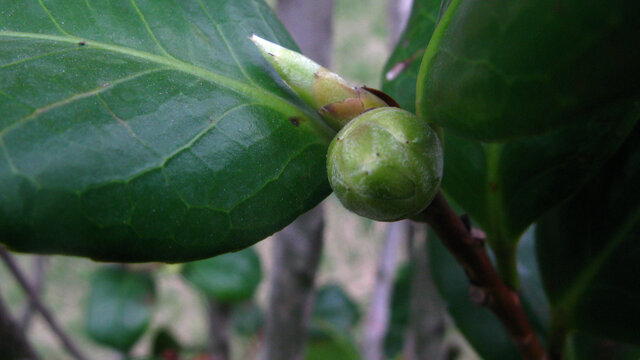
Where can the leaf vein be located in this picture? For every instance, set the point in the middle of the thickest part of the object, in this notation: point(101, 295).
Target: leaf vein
point(73, 98)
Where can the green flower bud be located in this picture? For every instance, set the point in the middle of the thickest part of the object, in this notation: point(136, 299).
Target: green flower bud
point(386, 164)
point(325, 91)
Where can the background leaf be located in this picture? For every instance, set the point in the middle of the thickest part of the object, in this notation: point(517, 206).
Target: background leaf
point(333, 311)
point(401, 69)
point(479, 326)
point(501, 69)
point(143, 130)
point(227, 278)
point(589, 253)
point(120, 307)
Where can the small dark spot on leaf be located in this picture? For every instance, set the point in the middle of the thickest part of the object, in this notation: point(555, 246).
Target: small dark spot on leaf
point(348, 189)
point(82, 43)
point(368, 173)
point(377, 154)
point(295, 121)
point(407, 142)
point(271, 54)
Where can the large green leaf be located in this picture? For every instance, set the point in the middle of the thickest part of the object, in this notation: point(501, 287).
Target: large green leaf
point(590, 254)
point(506, 186)
point(120, 307)
point(401, 69)
point(227, 278)
point(480, 327)
point(498, 69)
point(139, 130)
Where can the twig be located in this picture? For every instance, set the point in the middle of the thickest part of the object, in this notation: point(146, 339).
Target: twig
point(379, 312)
point(486, 285)
point(13, 340)
point(35, 300)
point(219, 329)
point(38, 269)
point(427, 324)
point(296, 255)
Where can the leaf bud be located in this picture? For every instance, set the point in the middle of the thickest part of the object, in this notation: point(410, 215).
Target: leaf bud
point(325, 91)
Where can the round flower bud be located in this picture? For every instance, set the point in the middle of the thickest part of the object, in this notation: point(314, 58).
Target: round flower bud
point(386, 164)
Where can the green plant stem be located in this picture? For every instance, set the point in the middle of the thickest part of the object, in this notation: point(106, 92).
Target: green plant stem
point(507, 264)
point(489, 288)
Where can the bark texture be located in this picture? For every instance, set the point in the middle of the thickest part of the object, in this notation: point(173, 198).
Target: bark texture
point(296, 254)
point(378, 317)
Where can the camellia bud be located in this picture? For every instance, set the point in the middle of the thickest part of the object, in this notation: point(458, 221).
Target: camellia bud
point(386, 164)
point(325, 91)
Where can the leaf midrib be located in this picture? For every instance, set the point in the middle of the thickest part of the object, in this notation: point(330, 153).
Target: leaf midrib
point(257, 94)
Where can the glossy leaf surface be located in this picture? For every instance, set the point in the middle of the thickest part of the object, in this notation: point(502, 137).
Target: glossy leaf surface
point(501, 69)
point(506, 186)
point(120, 307)
point(228, 278)
point(149, 131)
point(479, 326)
point(590, 254)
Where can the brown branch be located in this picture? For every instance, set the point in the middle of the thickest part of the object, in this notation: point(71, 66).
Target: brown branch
point(38, 284)
point(35, 300)
point(487, 287)
point(13, 341)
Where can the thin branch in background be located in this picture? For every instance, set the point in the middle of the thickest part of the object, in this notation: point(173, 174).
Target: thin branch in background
point(377, 320)
point(38, 285)
point(485, 281)
point(13, 340)
point(427, 323)
point(219, 329)
point(296, 254)
point(35, 300)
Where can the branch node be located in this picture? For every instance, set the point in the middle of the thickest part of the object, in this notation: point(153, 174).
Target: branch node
point(478, 295)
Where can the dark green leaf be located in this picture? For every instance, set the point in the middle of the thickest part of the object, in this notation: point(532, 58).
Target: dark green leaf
point(500, 69)
point(590, 255)
point(480, 327)
point(120, 306)
point(585, 347)
point(401, 69)
point(333, 311)
point(228, 278)
point(505, 187)
point(400, 311)
point(143, 130)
